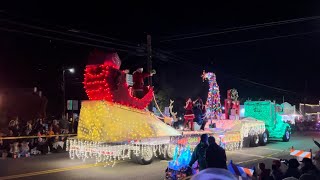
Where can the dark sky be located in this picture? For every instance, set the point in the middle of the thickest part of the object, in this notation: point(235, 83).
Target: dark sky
point(286, 63)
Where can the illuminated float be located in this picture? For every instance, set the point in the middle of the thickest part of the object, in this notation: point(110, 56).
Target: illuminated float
point(114, 125)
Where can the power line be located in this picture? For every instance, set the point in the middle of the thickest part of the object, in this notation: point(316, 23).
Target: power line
point(175, 59)
point(196, 66)
point(68, 34)
point(242, 28)
point(61, 39)
point(247, 41)
point(70, 29)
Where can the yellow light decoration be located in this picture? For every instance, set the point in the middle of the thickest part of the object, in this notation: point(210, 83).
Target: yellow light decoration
point(312, 105)
point(102, 121)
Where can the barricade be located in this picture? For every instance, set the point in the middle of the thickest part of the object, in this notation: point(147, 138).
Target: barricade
point(239, 171)
point(301, 153)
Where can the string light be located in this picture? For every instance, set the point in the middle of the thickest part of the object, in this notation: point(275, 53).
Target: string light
point(266, 111)
point(213, 104)
point(106, 82)
point(312, 105)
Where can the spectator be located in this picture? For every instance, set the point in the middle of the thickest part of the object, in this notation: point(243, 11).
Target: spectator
point(200, 152)
point(27, 129)
point(64, 124)
point(51, 132)
point(290, 178)
point(214, 174)
point(58, 144)
point(276, 174)
point(293, 170)
point(42, 146)
point(308, 167)
point(14, 127)
point(215, 155)
point(308, 177)
point(56, 127)
point(264, 173)
point(39, 126)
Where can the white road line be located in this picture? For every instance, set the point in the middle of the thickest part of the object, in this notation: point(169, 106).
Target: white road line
point(280, 150)
point(254, 155)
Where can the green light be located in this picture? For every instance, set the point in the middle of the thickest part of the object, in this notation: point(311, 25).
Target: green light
point(268, 112)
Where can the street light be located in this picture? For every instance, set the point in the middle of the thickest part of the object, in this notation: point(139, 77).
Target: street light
point(71, 70)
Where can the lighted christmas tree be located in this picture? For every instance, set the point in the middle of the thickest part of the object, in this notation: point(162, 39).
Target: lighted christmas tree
point(213, 105)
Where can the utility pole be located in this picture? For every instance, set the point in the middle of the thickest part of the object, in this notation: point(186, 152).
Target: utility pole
point(149, 64)
point(305, 98)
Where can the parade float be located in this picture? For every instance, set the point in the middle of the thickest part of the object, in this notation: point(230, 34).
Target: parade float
point(115, 125)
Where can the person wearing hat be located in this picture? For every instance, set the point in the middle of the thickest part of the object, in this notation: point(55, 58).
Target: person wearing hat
point(138, 77)
point(293, 169)
point(199, 153)
point(309, 167)
point(276, 173)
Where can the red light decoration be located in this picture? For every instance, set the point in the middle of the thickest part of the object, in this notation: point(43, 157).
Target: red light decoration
point(107, 82)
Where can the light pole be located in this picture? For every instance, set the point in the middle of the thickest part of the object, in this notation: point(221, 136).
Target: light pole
point(71, 70)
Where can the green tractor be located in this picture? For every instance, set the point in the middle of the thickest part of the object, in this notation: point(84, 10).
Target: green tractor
point(270, 113)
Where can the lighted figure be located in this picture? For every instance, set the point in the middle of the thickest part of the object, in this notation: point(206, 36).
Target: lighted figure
point(103, 80)
point(189, 116)
point(138, 82)
point(232, 105)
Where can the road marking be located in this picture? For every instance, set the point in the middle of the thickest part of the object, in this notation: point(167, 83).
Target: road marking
point(262, 157)
point(165, 161)
point(84, 166)
point(280, 150)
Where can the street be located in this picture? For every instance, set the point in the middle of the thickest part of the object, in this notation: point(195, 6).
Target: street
point(59, 166)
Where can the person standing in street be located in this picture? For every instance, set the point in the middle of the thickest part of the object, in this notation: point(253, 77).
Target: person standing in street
point(215, 155)
point(199, 153)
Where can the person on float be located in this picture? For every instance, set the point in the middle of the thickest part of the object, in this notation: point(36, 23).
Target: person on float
point(204, 118)
point(189, 116)
point(198, 113)
point(138, 77)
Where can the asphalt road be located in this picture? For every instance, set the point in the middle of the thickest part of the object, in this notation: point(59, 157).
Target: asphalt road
point(59, 166)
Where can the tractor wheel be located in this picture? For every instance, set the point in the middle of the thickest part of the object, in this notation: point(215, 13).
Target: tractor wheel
point(254, 141)
point(286, 136)
point(263, 138)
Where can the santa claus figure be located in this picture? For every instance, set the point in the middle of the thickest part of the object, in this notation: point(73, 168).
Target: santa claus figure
point(138, 81)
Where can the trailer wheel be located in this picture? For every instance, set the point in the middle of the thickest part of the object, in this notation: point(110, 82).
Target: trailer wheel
point(144, 157)
point(162, 155)
point(286, 136)
point(263, 138)
point(168, 152)
point(254, 140)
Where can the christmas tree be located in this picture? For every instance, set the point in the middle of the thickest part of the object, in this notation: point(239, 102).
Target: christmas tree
point(213, 105)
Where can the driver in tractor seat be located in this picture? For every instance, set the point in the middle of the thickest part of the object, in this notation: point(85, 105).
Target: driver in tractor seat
point(138, 77)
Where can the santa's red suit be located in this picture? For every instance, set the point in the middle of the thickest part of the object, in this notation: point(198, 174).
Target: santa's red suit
point(138, 83)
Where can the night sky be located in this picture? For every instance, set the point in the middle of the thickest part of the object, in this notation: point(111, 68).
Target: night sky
point(272, 68)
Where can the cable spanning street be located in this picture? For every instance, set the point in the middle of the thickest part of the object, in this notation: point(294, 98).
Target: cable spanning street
point(59, 166)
